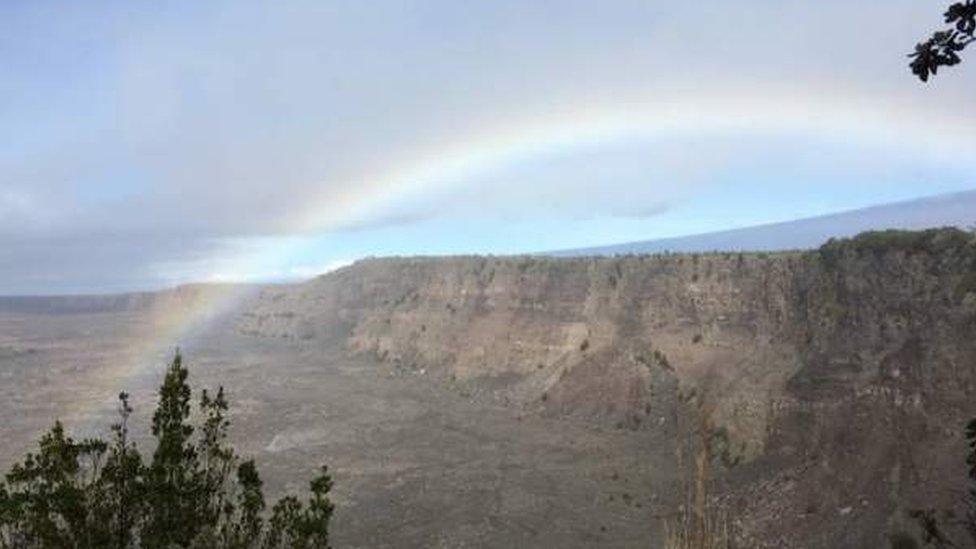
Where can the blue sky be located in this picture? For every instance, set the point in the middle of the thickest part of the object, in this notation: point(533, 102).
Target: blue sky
point(147, 144)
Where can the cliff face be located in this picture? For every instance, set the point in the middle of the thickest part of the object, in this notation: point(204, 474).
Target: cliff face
point(823, 356)
point(586, 336)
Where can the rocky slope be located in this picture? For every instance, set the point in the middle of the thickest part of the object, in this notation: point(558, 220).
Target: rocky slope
point(839, 377)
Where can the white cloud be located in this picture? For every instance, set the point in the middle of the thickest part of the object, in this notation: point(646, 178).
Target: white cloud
point(152, 137)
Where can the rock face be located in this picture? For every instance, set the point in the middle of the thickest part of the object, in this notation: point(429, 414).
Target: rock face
point(583, 337)
point(841, 376)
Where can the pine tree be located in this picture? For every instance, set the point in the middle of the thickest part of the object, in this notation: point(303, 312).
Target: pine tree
point(292, 525)
point(217, 459)
point(54, 497)
point(124, 483)
point(319, 512)
point(245, 529)
point(173, 487)
point(194, 493)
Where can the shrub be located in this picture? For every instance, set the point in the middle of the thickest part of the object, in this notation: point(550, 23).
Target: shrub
point(929, 241)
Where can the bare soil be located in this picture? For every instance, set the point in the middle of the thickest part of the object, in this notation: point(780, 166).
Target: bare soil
point(415, 464)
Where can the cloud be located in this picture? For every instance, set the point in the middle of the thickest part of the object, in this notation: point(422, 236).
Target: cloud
point(140, 144)
point(95, 265)
point(388, 219)
point(644, 212)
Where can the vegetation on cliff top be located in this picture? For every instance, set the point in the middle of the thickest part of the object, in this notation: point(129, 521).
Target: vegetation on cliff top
point(931, 241)
point(948, 243)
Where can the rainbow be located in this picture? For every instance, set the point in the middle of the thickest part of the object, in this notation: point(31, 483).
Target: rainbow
point(156, 333)
point(898, 126)
point(868, 121)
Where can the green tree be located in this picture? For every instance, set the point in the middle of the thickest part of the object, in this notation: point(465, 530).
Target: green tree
point(942, 49)
point(195, 492)
point(55, 497)
point(295, 526)
point(248, 524)
point(123, 478)
point(174, 487)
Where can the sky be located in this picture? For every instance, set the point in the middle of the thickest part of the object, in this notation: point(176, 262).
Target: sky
point(149, 144)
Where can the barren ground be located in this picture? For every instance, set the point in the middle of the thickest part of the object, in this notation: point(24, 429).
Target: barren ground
point(415, 465)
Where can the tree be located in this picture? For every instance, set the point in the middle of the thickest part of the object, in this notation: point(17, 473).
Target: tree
point(195, 492)
point(173, 483)
point(944, 47)
point(54, 498)
point(123, 478)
